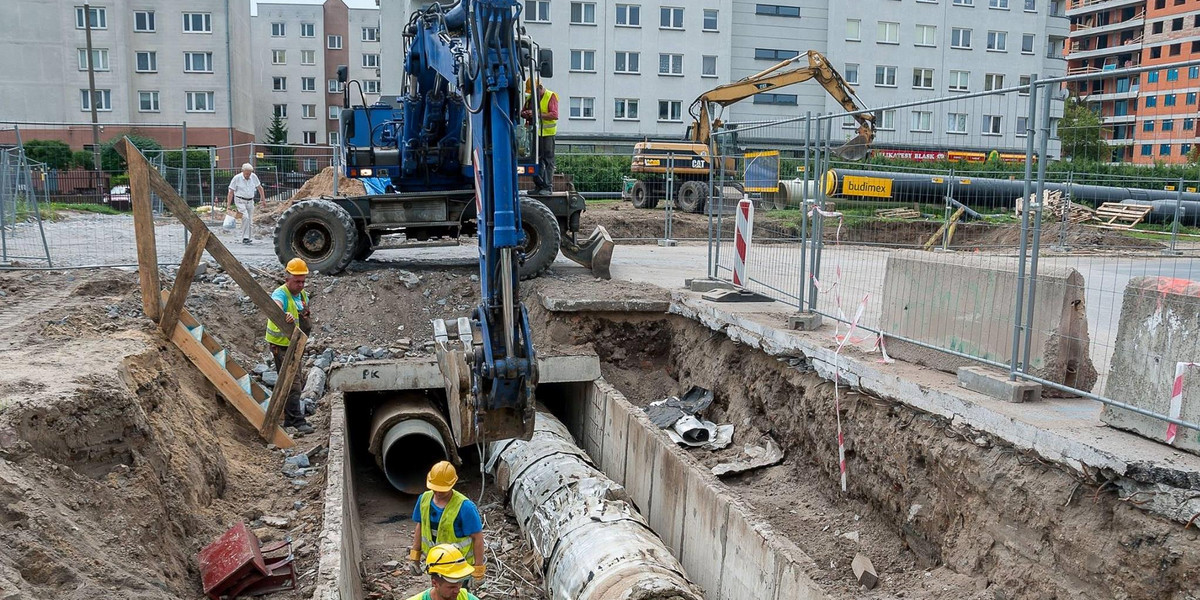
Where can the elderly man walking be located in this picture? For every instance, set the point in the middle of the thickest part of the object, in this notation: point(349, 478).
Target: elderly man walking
point(243, 188)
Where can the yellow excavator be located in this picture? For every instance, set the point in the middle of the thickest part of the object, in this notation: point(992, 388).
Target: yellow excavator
point(690, 161)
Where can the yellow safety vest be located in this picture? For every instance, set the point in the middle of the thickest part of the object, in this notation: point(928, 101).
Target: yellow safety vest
point(445, 531)
point(274, 335)
point(426, 595)
point(549, 126)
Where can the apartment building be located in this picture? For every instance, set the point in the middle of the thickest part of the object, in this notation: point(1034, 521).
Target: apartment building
point(155, 62)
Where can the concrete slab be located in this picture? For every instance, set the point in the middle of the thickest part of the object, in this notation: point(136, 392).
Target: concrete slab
point(650, 305)
point(423, 373)
point(804, 321)
point(1159, 326)
point(616, 443)
point(702, 549)
point(639, 462)
point(669, 493)
point(995, 384)
point(965, 303)
point(749, 568)
point(705, 284)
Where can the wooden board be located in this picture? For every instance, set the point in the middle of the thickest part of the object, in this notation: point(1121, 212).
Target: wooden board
point(1115, 215)
point(897, 213)
point(183, 280)
point(143, 230)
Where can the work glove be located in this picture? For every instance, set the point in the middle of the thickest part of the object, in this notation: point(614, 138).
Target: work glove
point(414, 561)
point(479, 571)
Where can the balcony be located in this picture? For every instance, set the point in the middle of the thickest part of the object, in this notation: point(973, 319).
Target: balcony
point(1108, 96)
point(1083, 7)
point(1132, 45)
point(1082, 29)
point(1118, 119)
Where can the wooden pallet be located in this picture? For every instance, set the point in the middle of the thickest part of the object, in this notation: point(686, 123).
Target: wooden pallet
point(1115, 215)
point(897, 213)
point(1055, 208)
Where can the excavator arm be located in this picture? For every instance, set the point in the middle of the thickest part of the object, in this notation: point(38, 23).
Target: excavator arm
point(778, 76)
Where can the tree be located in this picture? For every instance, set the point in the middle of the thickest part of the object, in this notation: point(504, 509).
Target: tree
point(111, 161)
point(55, 154)
point(277, 152)
point(1081, 132)
point(1193, 156)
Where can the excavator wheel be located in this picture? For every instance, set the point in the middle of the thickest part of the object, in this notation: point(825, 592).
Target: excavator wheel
point(541, 238)
point(320, 232)
point(692, 196)
point(640, 194)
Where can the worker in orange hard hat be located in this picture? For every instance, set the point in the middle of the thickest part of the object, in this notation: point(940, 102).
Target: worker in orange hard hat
point(448, 569)
point(444, 516)
point(293, 299)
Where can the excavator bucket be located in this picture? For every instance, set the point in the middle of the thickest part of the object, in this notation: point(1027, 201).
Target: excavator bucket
point(595, 252)
point(855, 149)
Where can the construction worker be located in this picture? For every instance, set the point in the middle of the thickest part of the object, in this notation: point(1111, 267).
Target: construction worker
point(444, 516)
point(293, 299)
point(448, 568)
point(543, 179)
point(244, 188)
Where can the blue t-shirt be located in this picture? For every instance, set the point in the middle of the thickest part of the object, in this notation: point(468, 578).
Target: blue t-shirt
point(280, 295)
point(468, 522)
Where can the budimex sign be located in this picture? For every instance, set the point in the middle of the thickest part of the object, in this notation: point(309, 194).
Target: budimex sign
point(875, 187)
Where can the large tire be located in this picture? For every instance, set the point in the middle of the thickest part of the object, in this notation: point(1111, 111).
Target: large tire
point(366, 241)
point(692, 196)
point(318, 231)
point(542, 238)
point(640, 195)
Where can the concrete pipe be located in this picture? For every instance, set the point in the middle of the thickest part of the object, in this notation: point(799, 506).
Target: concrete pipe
point(592, 542)
point(408, 435)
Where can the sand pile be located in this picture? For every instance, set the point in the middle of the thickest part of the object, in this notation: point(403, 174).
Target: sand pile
point(320, 185)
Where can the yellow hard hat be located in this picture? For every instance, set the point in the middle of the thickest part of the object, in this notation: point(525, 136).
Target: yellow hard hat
point(297, 266)
point(442, 477)
point(529, 86)
point(448, 562)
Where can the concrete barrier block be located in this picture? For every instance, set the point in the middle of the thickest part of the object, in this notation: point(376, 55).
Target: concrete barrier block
point(594, 421)
point(965, 303)
point(1159, 326)
point(639, 462)
point(702, 550)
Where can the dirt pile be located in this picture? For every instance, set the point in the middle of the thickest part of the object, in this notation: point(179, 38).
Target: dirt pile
point(320, 185)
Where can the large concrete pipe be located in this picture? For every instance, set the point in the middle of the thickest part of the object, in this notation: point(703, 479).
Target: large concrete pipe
point(408, 435)
point(791, 194)
point(592, 542)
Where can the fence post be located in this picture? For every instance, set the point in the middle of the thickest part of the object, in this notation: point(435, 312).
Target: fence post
point(1019, 312)
point(1065, 222)
point(337, 168)
point(5, 162)
point(669, 205)
point(1035, 254)
point(183, 164)
point(804, 200)
point(819, 220)
point(947, 211)
point(712, 198)
point(1175, 223)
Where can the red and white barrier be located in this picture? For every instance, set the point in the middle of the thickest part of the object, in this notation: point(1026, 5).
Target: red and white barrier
point(1177, 399)
point(741, 241)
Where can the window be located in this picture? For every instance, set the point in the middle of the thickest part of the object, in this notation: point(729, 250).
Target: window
point(103, 100)
point(923, 79)
point(147, 101)
point(926, 35)
point(146, 62)
point(853, 30)
point(887, 32)
point(197, 23)
point(629, 15)
point(97, 18)
point(885, 76)
point(1022, 127)
point(1174, 51)
point(1156, 52)
point(143, 21)
point(774, 55)
point(197, 62)
point(1172, 74)
point(1177, 24)
point(1188, 124)
point(333, 141)
point(200, 102)
point(310, 137)
point(1193, 72)
point(1168, 125)
point(308, 30)
point(1030, 5)
point(1152, 77)
point(371, 86)
point(848, 122)
point(537, 11)
point(1168, 99)
point(850, 73)
point(1024, 80)
point(887, 120)
point(710, 19)
point(370, 34)
point(1151, 101)
point(956, 122)
point(1156, 28)
point(279, 84)
point(960, 81)
point(334, 112)
point(625, 109)
point(281, 111)
point(670, 64)
point(1190, 99)
point(1001, 4)
point(993, 81)
point(775, 10)
point(583, 108)
point(308, 84)
point(333, 42)
point(670, 18)
point(708, 66)
point(997, 41)
point(308, 111)
point(960, 38)
point(583, 60)
point(1185, 149)
point(670, 110)
point(333, 86)
point(778, 99)
point(308, 57)
point(278, 30)
point(1147, 150)
point(370, 61)
point(991, 125)
point(278, 57)
point(583, 13)
point(922, 121)
point(99, 59)
point(1164, 149)
point(964, 2)
point(627, 62)
point(1027, 43)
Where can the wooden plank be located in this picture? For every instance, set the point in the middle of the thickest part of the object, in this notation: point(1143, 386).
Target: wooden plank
point(225, 384)
point(283, 385)
point(183, 280)
point(143, 229)
point(233, 267)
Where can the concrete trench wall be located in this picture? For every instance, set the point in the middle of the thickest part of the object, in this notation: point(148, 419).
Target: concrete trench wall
point(725, 550)
point(339, 571)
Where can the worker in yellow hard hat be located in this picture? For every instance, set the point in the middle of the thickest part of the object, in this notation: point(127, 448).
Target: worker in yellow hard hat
point(293, 299)
point(448, 569)
point(547, 107)
point(444, 516)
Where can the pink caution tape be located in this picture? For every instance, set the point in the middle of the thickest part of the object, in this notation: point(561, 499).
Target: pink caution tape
point(1177, 399)
point(837, 399)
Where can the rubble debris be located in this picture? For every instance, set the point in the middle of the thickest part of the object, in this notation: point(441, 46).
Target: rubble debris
point(665, 412)
point(314, 385)
point(864, 571)
point(270, 378)
point(408, 278)
point(753, 457)
point(324, 360)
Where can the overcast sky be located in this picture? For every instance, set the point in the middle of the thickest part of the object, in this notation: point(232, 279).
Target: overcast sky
point(350, 3)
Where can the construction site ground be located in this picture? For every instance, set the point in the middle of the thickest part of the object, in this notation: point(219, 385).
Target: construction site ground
point(118, 461)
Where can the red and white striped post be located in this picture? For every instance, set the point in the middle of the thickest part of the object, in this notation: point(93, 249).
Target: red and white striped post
point(742, 230)
point(1176, 406)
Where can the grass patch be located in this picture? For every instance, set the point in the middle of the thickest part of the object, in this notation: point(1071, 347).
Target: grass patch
point(56, 211)
point(603, 201)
